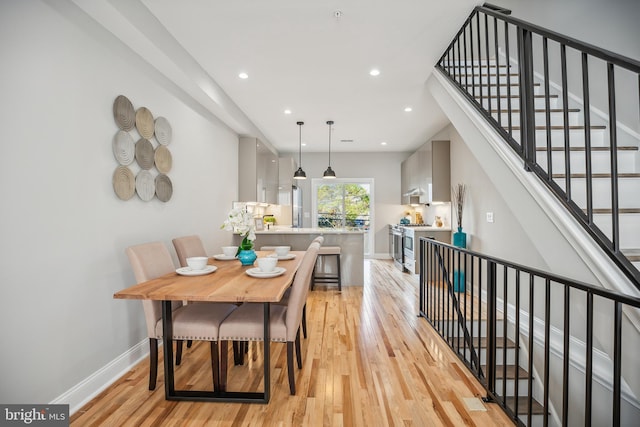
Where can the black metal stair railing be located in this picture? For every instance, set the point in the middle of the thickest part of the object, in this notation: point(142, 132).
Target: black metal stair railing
point(523, 324)
point(509, 69)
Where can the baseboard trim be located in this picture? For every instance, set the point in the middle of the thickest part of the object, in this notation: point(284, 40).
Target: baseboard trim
point(80, 394)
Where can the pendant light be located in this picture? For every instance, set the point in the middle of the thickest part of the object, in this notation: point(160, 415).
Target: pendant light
point(300, 173)
point(329, 173)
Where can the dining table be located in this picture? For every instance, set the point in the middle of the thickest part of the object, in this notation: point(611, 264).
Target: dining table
point(228, 283)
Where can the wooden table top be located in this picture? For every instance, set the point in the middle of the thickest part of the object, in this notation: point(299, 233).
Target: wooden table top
point(229, 283)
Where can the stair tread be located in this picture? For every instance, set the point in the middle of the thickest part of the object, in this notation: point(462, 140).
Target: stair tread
point(620, 210)
point(632, 254)
point(597, 175)
point(523, 405)
point(511, 372)
point(551, 110)
point(517, 96)
point(491, 84)
point(560, 127)
point(499, 342)
point(596, 148)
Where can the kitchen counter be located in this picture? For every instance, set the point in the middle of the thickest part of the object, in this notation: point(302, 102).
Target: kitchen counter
point(351, 242)
point(318, 231)
point(428, 228)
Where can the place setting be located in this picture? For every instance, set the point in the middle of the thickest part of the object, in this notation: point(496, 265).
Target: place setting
point(196, 266)
point(267, 268)
point(228, 253)
point(282, 253)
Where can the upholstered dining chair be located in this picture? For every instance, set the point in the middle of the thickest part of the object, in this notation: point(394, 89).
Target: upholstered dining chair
point(190, 322)
point(246, 323)
point(188, 246)
point(285, 297)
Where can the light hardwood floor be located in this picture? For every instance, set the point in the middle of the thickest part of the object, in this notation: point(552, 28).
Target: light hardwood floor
point(368, 361)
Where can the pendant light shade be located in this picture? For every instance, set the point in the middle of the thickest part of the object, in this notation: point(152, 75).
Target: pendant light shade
point(299, 174)
point(329, 173)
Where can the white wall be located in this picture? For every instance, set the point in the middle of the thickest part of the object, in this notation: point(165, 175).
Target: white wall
point(608, 24)
point(504, 238)
point(63, 230)
point(384, 168)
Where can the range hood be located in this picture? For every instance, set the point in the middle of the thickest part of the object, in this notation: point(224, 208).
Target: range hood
point(416, 191)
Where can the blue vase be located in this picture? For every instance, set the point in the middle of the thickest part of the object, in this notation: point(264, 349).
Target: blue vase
point(460, 241)
point(247, 257)
point(460, 238)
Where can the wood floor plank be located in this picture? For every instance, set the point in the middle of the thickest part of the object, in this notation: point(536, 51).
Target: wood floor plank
point(369, 360)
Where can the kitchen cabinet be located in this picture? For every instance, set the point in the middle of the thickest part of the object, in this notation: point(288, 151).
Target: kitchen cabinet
point(257, 172)
point(287, 167)
point(426, 174)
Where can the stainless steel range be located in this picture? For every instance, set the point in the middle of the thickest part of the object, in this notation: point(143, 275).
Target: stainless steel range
point(396, 235)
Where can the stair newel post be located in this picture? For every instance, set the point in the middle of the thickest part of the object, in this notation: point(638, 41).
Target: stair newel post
point(491, 328)
point(527, 107)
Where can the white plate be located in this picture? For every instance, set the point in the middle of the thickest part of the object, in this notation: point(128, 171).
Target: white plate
point(256, 272)
point(223, 257)
point(188, 271)
point(286, 257)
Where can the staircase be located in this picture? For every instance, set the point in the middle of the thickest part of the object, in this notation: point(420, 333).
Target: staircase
point(584, 154)
point(496, 89)
point(512, 378)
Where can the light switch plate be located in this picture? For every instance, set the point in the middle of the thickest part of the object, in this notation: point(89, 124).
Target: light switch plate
point(489, 216)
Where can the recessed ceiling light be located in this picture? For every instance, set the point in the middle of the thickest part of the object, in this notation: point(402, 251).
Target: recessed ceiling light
point(374, 72)
point(408, 109)
point(304, 144)
point(287, 111)
point(383, 143)
point(243, 75)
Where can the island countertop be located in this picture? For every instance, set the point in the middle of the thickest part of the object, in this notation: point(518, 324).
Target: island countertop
point(351, 242)
point(291, 230)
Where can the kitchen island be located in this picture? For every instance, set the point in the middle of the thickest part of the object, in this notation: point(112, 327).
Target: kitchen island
point(351, 242)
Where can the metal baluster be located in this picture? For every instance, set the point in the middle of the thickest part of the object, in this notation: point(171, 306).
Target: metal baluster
point(587, 137)
point(547, 335)
point(565, 119)
point(565, 357)
point(547, 107)
point(613, 145)
point(588, 387)
point(617, 362)
point(530, 362)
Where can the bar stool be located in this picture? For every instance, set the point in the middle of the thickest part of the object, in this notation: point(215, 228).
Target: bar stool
point(327, 251)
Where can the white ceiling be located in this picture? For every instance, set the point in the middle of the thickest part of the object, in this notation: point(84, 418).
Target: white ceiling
point(299, 56)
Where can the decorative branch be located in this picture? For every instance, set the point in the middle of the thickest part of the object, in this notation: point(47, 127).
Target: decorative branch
point(459, 193)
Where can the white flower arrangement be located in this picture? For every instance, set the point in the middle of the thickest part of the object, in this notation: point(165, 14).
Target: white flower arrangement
point(241, 221)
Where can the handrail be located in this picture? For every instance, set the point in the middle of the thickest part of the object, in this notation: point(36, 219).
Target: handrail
point(507, 290)
point(485, 43)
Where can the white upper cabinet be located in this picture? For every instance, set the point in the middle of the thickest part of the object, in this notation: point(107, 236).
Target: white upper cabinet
point(426, 174)
point(257, 172)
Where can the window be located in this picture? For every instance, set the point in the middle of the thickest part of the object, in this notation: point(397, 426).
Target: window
point(344, 203)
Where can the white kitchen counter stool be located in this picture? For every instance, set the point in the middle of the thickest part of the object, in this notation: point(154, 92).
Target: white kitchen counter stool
point(322, 277)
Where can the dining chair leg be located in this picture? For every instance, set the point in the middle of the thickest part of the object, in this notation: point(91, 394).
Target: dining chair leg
point(224, 356)
point(298, 352)
point(304, 320)
point(189, 343)
point(292, 381)
point(215, 365)
point(178, 352)
point(153, 362)
point(238, 352)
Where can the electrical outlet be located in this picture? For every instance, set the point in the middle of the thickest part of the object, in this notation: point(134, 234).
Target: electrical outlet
point(489, 216)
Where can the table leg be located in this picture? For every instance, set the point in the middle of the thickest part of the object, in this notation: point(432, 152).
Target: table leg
point(211, 396)
point(167, 346)
point(267, 351)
